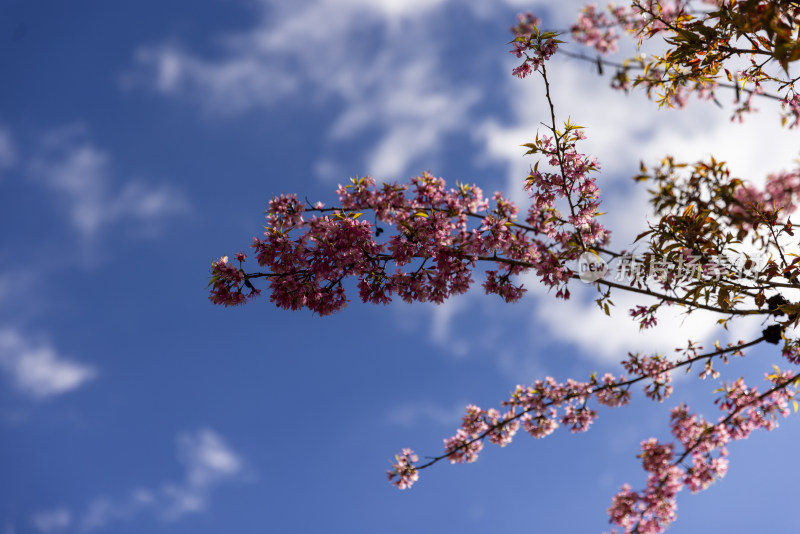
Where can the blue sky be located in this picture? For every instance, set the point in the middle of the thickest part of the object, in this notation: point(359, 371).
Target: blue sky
point(141, 141)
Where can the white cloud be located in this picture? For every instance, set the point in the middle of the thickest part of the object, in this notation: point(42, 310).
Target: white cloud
point(39, 370)
point(209, 462)
point(70, 165)
point(52, 521)
point(392, 83)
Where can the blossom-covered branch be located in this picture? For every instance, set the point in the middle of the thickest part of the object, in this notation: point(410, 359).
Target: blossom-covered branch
point(718, 244)
point(535, 407)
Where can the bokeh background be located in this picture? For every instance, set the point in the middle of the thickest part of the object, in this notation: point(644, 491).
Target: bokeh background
point(141, 141)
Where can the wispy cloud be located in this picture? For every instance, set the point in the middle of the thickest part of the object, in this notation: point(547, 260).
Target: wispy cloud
point(209, 462)
point(8, 150)
point(413, 413)
point(82, 175)
point(102, 511)
point(52, 521)
point(38, 369)
point(384, 66)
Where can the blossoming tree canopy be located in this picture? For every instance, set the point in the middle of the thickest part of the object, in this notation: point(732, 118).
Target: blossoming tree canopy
point(719, 243)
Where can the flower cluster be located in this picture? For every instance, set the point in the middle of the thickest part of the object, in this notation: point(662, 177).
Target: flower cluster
point(579, 230)
point(403, 473)
point(526, 25)
point(704, 448)
point(791, 351)
point(657, 368)
point(646, 315)
point(527, 38)
point(781, 194)
point(227, 282)
point(660, 12)
point(655, 508)
point(596, 29)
